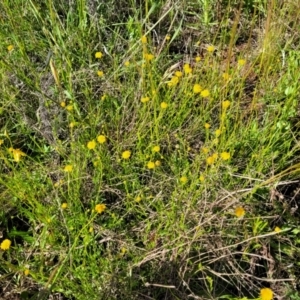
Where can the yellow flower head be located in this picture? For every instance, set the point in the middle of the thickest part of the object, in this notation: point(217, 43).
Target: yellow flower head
point(239, 212)
point(91, 145)
point(145, 99)
point(144, 39)
point(17, 154)
point(138, 199)
point(266, 294)
point(10, 48)
point(164, 105)
point(183, 179)
point(100, 73)
point(126, 154)
point(64, 205)
point(226, 76)
point(277, 229)
point(98, 54)
point(148, 56)
point(178, 74)
point(211, 48)
point(207, 126)
point(5, 245)
point(218, 132)
point(197, 88)
point(204, 150)
point(197, 58)
point(69, 107)
point(225, 104)
point(205, 93)
point(126, 63)
point(156, 149)
point(99, 208)
point(158, 163)
point(26, 272)
point(215, 155)
point(150, 165)
point(68, 168)
point(201, 178)
point(174, 81)
point(63, 104)
point(101, 139)
point(241, 62)
point(187, 69)
point(225, 155)
point(210, 160)
point(168, 37)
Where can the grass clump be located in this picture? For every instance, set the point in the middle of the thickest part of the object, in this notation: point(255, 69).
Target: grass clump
point(149, 151)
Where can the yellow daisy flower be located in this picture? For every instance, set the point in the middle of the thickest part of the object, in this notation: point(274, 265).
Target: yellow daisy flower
point(5, 245)
point(91, 145)
point(126, 154)
point(99, 208)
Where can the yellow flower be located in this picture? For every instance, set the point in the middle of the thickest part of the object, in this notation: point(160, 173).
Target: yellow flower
point(98, 54)
point(187, 69)
point(197, 88)
point(138, 199)
point(148, 56)
point(10, 47)
point(126, 63)
point(241, 62)
point(210, 160)
point(72, 124)
point(277, 229)
point(126, 154)
point(156, 149)
point(63, 104)
point(150, 165)
point(158, 163)
point(201, 178)
point(68, 168)
point(168, 37)
point(239, 212)
point(178, 74)
point(99, 208)
point(91, 229)
point(226, 76)
point(164, 105)
point(207, 126)
point(225, 104)
point(91, 145)
point(266, 294)
point(103, 97)
point(101, 139)
point(100, 73)
point(26, 272)
point(218, 132)
point(197, 58)
point(211, 48)
point(204, 150)
point(215, 155)
point(64, 205)
point(17, 154)
point(225, 155)
point(69, 107)
point(144, 39)
point(174, 81)
point(183, 179)
point(5, 245)
point(1, 142)
point(145, 99)
point(205, 93)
